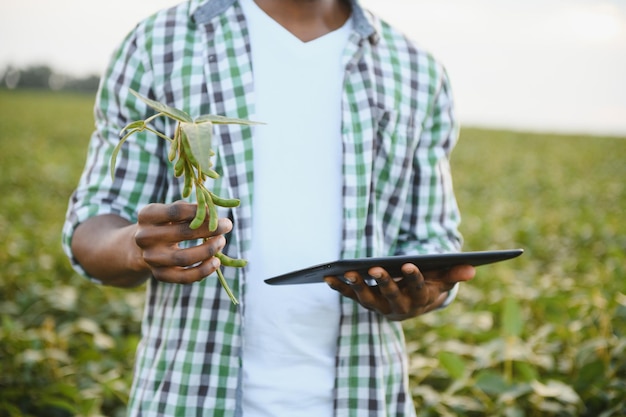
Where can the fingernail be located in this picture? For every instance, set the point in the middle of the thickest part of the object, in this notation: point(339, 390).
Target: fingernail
point(329, 282)
point(350, 279)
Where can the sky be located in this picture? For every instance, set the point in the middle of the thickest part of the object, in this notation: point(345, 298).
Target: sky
point(539, 65)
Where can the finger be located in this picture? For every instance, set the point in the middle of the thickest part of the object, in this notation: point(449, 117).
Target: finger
point(186, 257)
point(364, 294)
point(389, 289)
point(403, 295)
point(224, 226)
point(167, 213)
point(452, 275)
point(462, 273)
point(340, 286)
point(181, 275)
point(423, 295)
point(412, 276)
point(411, 280)
point(173, 233)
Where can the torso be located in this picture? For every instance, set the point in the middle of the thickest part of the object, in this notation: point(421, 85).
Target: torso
point(297, 219)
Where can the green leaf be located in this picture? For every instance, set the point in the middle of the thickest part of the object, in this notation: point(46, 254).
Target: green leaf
point(58, 404)
point(512, 323)
point(526, 371)
point(172, 112)
point(591, 374)
point(514, 411)
point(556, 389)
point(452, 363)
point(222, 120)
point(491, 382)
point(199, 136)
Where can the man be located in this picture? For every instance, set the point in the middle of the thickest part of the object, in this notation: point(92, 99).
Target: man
point(352, 162)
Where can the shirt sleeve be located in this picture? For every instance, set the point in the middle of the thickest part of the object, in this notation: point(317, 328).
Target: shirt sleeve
point(137, 176)
point(431, 219)
point(430, 224)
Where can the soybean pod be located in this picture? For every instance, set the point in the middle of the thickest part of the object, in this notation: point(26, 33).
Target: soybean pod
point(228, 261)
point(212, 174)
point(213, 219)
point(188, 186)
point(187, 148)
point(201, 211)
point(171, 155)
point(224, 202)
point(179, 166)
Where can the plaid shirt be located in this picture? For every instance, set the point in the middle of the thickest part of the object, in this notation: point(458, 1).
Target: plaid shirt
point(398, 130)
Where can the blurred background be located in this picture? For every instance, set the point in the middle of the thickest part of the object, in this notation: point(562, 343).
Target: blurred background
point(549, 65)
point(540, 87)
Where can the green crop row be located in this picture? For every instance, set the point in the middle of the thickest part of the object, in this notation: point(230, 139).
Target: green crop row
point(540, 335)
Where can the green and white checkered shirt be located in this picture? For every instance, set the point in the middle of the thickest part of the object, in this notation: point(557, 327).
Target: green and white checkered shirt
point(398, 130)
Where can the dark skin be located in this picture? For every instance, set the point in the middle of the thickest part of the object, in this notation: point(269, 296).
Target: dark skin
point(401, 298)
point(307, 19)
point(124, 254)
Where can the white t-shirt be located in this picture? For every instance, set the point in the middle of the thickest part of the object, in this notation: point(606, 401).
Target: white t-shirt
point(290, 332)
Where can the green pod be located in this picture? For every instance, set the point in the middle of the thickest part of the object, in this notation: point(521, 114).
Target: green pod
point(224, 202)
point(179, 166)
point(228, 261)
point(201, 211)
point(212, 174)
point(187, 188)
point(173, 150)
point(213, 217)
point(187, 148)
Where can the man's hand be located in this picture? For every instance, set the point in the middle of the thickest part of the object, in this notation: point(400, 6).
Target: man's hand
point(125, 254)
point(400, 298)
point(160, 229)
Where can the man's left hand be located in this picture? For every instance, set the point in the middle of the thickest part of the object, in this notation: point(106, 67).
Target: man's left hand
point(401, 298)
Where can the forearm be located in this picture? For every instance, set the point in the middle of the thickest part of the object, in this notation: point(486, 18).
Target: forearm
point(105, 248)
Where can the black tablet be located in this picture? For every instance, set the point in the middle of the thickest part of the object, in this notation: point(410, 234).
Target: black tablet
point(392, 264)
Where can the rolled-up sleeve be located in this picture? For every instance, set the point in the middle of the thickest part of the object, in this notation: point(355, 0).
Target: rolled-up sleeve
point(137, 177)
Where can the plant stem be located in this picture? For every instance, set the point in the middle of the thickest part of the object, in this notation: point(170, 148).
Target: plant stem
point(226, 287)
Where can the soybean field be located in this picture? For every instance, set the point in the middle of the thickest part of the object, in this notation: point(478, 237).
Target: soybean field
point(541, 335)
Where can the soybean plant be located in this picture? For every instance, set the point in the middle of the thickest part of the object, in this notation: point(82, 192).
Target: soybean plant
point(191, 150)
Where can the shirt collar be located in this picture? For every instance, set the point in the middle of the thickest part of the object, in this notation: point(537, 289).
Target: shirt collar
point(362, 23)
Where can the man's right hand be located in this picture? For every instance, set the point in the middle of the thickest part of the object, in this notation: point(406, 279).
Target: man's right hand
point(161, 228)
point(123, 254)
